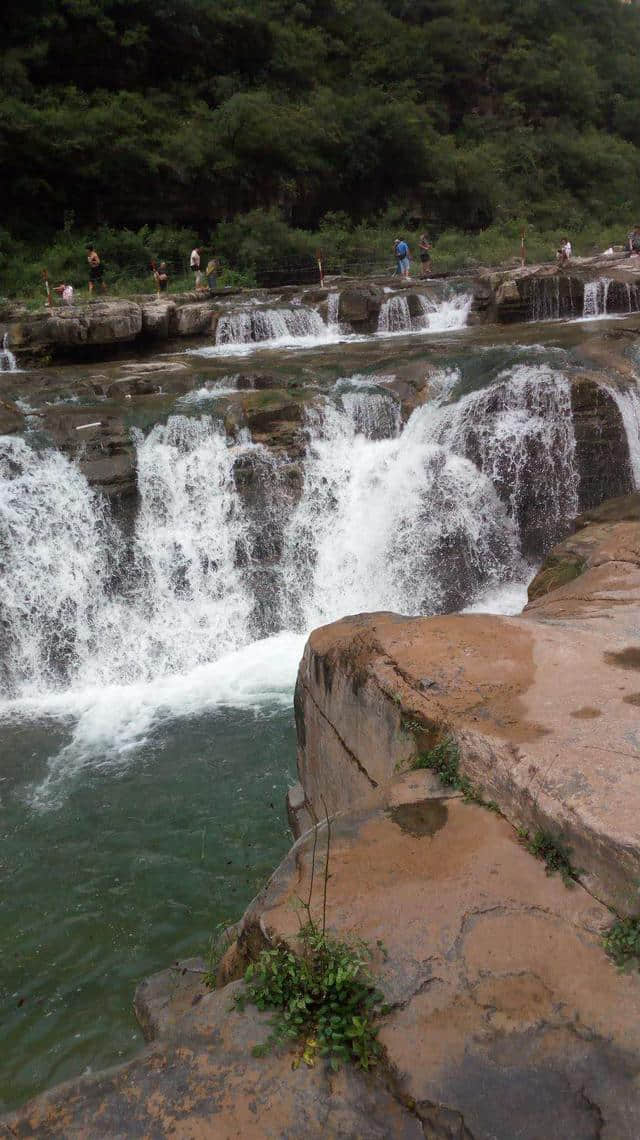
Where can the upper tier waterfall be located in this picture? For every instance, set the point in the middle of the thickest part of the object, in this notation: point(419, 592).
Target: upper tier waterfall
point(417, 518)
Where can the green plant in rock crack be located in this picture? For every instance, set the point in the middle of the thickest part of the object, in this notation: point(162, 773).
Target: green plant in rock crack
point(554, 853)
point(444, 760)
point(323, 995)
point(622, 942)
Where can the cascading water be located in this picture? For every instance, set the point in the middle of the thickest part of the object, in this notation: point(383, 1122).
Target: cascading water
point(628, 404)
point(185, 601)
point(595, 297)
point(519, 432)
point(418, 312)
point(8, 361)
point(244, 326)
point(389, 523)
point(333, 311)
point(55, 544)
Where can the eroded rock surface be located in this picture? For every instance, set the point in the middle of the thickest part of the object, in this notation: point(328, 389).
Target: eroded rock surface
point(375, 689)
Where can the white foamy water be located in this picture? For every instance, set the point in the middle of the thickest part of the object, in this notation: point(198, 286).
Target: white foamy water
point(8, 361)
point(379, 521)
point(520, 433)
point(402, 314)
point(628, 403)
point(209, 601)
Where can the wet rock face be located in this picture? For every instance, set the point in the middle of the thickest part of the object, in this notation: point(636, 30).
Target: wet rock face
point(11, 418)
point(602, 452)
point(360, 307)
point(100, 444)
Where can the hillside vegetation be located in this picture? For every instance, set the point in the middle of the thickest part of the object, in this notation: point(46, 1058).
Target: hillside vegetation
point(462, 114)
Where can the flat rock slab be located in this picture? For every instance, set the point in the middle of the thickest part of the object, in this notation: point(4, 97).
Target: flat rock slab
point(545, 709)
point(505, 1008)
point(204, 1084)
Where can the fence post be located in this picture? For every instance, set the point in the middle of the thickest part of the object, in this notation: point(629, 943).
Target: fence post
point(45, 278)
point(320, 270)
point(523, 252)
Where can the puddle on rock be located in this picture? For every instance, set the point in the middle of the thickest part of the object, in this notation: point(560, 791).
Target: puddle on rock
point(628, 658)
point(420, 819)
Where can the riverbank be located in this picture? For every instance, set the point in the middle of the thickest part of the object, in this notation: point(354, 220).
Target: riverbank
point(502, 1004)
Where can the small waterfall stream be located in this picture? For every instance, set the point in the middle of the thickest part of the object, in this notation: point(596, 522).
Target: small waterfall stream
point(8, 361)
point(243, 326)
point(628, 404)
point(595, 297)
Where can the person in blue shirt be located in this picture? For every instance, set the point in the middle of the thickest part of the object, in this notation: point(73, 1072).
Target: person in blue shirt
point(401, 250)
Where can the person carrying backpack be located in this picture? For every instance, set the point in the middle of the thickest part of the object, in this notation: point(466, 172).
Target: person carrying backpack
point(401, 250)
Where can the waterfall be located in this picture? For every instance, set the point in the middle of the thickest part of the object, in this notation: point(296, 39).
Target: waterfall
point(437, 316)
point(55, 544)
point(519, 432)
point(595, 297)
point(232, 542)
point(628, 404)
point(243, 326)
point(333, 311)
point(545, 298)
point(389, 523)
point(394, 315)
point(7, 359)
point(66, 620)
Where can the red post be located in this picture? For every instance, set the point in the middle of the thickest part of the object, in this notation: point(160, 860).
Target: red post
point(523, 252)
point(45, 278)
point(320, 269)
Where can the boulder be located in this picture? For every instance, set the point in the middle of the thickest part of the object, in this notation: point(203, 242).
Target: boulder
point(197, 319)
point(360, 307)
point(158, 318)
point(162, 1000)
point(96, 323)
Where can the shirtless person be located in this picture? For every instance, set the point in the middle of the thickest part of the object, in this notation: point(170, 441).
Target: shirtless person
point(96, 271)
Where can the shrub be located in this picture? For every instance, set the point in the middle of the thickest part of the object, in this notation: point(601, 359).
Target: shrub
point(622, 942)
point(324, 997)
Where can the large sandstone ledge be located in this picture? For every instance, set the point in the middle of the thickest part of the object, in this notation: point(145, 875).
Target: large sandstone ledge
point(544, 707)
point(505, 1017)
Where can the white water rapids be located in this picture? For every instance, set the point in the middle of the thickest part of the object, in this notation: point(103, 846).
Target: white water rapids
point(116, 635)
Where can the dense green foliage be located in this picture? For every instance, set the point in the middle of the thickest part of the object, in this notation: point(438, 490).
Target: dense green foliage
point(323, 997)
point(276, 124)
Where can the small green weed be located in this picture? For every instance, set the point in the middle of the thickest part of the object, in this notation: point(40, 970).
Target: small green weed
point(554, 854)
point(324, 997)
point(622, 942)
point(444, 759)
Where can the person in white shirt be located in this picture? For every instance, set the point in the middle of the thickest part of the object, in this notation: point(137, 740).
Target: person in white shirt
point(65, 293)
point(194, 260)
point(564, 252)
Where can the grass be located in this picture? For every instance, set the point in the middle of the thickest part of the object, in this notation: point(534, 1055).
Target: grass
point(622, 942)
point(553, 852)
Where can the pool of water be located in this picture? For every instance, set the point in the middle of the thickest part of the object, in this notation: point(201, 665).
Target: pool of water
point(123, 871)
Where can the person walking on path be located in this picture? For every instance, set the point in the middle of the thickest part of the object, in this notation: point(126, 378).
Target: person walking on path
point(425, 255)
point(194, 260)
point(96, 270)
